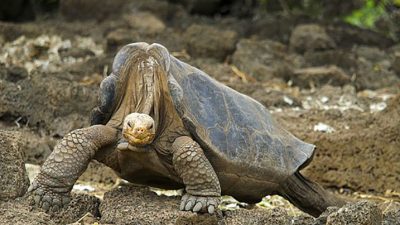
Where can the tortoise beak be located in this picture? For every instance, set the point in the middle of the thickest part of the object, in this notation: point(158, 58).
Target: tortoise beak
point(135, 138)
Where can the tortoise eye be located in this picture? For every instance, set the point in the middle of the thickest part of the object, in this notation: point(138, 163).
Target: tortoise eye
point(129, 124)
point(151, 126)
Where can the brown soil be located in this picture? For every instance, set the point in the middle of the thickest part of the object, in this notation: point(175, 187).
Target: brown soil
point(13, 179)
point(308, 73)
point(20, 212)
point(127, 204)
point(361, 158)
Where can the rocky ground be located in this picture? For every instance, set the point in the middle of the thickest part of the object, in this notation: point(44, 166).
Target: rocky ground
point(330, 84)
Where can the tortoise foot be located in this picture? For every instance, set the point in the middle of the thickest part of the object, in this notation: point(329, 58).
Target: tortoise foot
point(199, 203)
point(46, 198)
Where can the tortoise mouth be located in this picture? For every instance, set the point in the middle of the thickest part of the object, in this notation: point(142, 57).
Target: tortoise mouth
point(138, 139)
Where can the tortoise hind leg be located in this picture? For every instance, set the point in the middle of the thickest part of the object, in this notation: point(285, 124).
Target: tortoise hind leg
point(307, 195)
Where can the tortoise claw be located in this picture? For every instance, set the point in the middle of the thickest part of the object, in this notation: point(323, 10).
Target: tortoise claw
point(199, 204)
point(47, 199)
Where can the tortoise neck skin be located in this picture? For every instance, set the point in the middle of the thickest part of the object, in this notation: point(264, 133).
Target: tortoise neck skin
point(142, 86)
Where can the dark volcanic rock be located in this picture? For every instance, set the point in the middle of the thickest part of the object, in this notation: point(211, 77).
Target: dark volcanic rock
point(263, 59)
point(346, 60)
point(90, 9)
point(207, 7)
point(36, 147)
point(276, 216)
point(319, 76)
point(310, 37)
point(120, 37)
point(391, 213)
point(144, 22)
point(348, 36)
point(13, 177)
point(321, 220)
point(360, 213)
point(208, 41)
point(16, 10)
point(369, 67)
point(303, 219)
point(374, 75)
point(220, 71)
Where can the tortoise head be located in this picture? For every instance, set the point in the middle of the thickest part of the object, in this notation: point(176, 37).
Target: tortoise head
point(141, 72)
point(138, 129)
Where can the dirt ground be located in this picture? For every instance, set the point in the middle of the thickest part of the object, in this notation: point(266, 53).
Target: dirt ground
point(330, 84)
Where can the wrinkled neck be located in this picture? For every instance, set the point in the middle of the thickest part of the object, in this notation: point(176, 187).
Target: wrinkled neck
point(148, 92)
point(142, 88)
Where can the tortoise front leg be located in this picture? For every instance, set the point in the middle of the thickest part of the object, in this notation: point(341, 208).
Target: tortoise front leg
point(202, 186)
point(51, 188)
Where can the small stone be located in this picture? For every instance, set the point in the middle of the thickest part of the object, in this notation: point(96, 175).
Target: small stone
point(325, 128)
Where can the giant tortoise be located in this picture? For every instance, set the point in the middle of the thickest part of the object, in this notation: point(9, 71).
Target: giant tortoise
point(163, 123)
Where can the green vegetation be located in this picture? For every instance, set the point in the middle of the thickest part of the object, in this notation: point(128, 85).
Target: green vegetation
point(367, 15)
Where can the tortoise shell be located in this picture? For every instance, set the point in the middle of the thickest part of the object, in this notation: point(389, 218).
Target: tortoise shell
point(234, 126)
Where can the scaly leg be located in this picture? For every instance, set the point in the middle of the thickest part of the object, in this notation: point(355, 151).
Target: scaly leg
point(203, 190)
point(51, 188)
